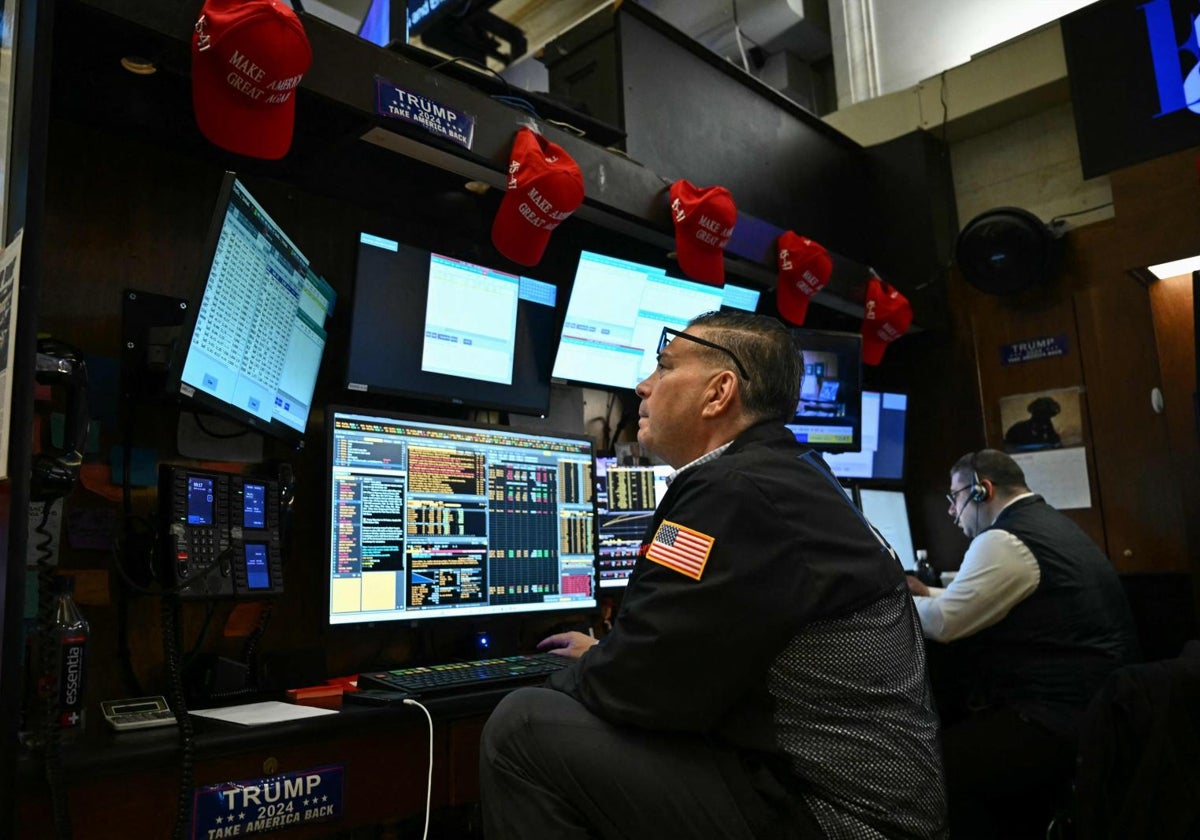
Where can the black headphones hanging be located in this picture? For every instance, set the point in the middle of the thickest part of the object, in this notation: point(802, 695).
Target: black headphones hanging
point(55, 471)
point(979, 491)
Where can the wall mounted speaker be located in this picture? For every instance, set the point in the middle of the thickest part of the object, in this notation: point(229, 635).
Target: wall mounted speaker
point(1007, 250)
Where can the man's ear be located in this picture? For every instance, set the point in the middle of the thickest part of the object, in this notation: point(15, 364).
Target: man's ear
point(723, 394)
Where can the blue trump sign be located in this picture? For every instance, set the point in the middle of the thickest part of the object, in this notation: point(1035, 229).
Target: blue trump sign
point(256, 806)
point(434, 117)
point(1033, 349)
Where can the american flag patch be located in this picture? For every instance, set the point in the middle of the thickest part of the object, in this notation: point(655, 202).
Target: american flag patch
point(679, 548)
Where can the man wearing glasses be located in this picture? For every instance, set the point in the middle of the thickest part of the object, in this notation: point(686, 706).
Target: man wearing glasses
point(1042, 620)
point(765, 676)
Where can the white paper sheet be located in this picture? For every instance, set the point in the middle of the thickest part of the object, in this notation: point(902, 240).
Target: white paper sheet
point(1059, 475)
point(254, 714)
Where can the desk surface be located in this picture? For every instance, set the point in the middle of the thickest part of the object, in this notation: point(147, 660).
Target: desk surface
point(125, 784)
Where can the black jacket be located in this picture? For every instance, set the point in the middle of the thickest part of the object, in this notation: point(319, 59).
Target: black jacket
point(798, 645)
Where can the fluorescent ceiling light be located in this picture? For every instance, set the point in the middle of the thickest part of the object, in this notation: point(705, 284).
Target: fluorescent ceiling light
point(1175, 268)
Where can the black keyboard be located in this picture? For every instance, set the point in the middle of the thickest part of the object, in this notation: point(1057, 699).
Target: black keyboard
point(424, 681)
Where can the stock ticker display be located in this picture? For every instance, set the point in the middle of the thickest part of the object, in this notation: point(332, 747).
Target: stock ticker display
point(430, 520)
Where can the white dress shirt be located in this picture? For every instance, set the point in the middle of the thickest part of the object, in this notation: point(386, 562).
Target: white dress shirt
point(997, 573)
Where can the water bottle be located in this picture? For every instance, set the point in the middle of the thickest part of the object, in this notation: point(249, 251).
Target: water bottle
point(69, 635)
point(925, 571)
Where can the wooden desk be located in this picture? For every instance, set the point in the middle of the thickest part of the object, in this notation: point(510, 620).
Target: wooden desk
point(126, 785)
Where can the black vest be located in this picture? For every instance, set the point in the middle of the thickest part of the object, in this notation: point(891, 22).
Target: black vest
point(1048, 656)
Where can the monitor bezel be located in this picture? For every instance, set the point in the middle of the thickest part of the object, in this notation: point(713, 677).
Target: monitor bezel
point(439, 621)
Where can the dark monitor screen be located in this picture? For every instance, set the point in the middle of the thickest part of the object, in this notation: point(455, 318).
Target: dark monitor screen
point(626, 496)
point(828, 416)
point(881, 456)
point(256, 332)
point(615, 317)
point(435, 327)
point(428, 519)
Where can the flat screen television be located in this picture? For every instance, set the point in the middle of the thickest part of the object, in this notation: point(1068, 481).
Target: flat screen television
point(887, 511)
point(626, 496)
point(252, 344)
point(439, 328)
point(436, 520)
point(828, 415)
point(880, 459)
point(615, 316)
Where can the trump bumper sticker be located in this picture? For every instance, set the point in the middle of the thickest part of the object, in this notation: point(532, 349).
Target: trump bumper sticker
point(257, 806)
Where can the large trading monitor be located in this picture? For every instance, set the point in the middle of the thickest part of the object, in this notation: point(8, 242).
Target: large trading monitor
point(615, 316)
point(428, 519)
point(880, 460)
point(443, 329)
point(626, 496)
point(253, 342)
point(828, 416)
point(886, 510)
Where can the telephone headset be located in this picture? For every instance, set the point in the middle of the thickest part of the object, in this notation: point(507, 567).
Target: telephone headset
point(979, 491)
point(55, 471)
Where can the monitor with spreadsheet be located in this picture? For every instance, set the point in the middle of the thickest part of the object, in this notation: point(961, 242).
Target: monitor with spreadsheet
point(432, 519)
point(828, 416)
point(880, 459)
point(440, 328)
point(738, 297)
point(255, 333)
point(626, 496)
point(886, 510)
point(615, 317)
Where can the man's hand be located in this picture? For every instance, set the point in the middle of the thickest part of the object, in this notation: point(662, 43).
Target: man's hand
point(572, 644)
point(916, 587)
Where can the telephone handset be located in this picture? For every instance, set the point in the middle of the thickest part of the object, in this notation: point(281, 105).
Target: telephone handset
point(54, 472)
point(220, 534)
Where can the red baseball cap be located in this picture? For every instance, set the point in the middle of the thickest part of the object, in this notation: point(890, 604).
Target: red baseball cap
point(544, 187)
point(248, 57)
point(704, 220)
point(888, 316)
point(804, 269)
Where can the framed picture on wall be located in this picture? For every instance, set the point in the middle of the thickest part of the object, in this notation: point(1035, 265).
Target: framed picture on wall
point(1042, 420)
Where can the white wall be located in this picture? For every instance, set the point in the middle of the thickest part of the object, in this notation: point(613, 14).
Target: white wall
point(884, 46)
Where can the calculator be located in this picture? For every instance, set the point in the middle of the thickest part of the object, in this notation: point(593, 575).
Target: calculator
point(137, 713)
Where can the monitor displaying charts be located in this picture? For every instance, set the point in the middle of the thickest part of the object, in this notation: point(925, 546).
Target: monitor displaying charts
point(626, 496)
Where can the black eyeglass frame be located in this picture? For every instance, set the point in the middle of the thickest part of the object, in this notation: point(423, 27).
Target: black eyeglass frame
point(663, 341)
point(952, 496)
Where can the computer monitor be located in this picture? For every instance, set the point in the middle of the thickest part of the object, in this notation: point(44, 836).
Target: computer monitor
point(828, 415)
point(880, 460)
point(439, 328)
point(615, 317)
point(626, 496)
point(253, 341)
point(737, 297)
point(886, 510)
point(431, 520)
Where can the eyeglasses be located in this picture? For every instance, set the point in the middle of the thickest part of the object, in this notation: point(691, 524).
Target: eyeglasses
point(668, 335)
point(952, 496)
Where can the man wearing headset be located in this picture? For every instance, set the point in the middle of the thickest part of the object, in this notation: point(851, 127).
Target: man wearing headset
point(1038, 619)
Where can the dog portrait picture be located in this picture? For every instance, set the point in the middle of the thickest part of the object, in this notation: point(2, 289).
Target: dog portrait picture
point(1044, 420)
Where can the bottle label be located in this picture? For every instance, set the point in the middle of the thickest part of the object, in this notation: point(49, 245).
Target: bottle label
point(70, 681)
